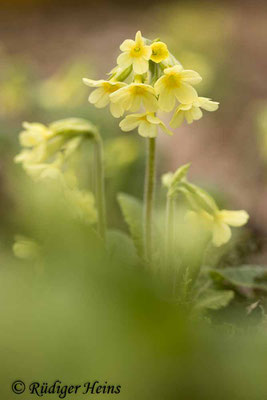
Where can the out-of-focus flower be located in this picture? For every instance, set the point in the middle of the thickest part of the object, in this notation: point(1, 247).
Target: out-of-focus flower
point(192, 112)
point(176, 84)
point(100, 96)
point(135, 53)
point(82, 204)
point(219, 223)
point(159, 52)
point(131, 97)
point(147, 124)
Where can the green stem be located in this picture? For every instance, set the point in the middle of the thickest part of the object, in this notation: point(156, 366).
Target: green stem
point(149, 195)
point(169, 228)
point(100, 188)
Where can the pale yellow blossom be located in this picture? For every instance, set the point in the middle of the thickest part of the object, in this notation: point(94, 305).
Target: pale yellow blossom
point(135, 53)
point(192, 112)
point(147, 124)
point(159, 52)
point(133, 96)
point(219, 222)
point(100, 96)
point(176, 84)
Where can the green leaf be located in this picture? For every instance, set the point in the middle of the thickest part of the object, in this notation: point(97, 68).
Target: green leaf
point(246, 276)
point(120, 247)
point(133, 214)
point(214, 299)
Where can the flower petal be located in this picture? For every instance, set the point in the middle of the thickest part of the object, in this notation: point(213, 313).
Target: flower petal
point(92, 83)
point(96, 95)
point(140, 65)
point(207, 104)
point(177, 118)
point(167, 100)
point(185, 93)
point(129, 123)
point(124, 60)
point(190, 76)
point(147, 130)
point(196, 113)
point(116, 110)
point(234, 218)
point(221, 234)
point(150, 102)
point(127, 45)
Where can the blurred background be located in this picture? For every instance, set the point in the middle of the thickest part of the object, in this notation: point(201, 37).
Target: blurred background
point(101, 320)
point(46, 47)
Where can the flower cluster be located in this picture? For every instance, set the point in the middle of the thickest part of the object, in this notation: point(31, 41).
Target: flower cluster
point(46, 149)
point(203, 208)
point(148, 79)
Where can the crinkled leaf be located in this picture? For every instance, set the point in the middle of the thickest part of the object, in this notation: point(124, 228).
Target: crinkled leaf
point(214, 299)
point(246, 276)
point(133, 215)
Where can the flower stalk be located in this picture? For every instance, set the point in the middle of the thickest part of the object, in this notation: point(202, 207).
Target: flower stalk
point(100, 188)
point(149, 195)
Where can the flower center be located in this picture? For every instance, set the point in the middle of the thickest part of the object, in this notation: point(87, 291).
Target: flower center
point(173, 81)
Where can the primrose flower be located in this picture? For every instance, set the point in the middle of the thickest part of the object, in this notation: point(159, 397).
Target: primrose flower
point(147, 124)
point(100, 96)
point(132, 96)
point(33, 134)
point(192, 112)
point(159, 52)
point(135, 53)
point(219, 223)
point(176, 84)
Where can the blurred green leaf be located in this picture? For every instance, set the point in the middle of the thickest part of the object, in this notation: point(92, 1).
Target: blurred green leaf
point(245, 276)
point(132, 213)
point(116, 240)
point(214, 299)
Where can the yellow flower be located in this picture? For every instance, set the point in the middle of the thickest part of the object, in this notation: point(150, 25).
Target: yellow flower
point(147, 124)
point(176, 84)
point(131, 97)
point(100, 96)
point(33, 134)
point(192, 112)
point(135, 53)
point(159, 52)
point(219, 223)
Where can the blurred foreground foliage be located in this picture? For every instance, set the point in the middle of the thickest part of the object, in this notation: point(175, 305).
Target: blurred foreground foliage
point(86, 313)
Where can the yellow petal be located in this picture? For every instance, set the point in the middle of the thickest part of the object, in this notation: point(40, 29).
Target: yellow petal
point(138, 39)
point(129, 123)
point(221, 234)
point(167, 100)
point(92, 83)
point(185, 93)
point(124, 60)
point(140, 65)
point(96, 95)
point(234, 218)
point(147, 130)
point(207, 104)
point(196, 113)
point(127, 45)
point(147, 51)
point(116, 110)
point(190, 76)
point(150, 102)
point(177, 119)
